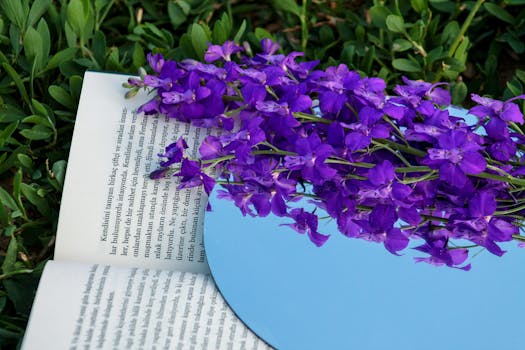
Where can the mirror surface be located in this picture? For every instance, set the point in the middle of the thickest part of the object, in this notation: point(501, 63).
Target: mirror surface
point(352, 294)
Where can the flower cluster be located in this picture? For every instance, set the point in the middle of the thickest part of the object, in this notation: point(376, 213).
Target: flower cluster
point(388, 168)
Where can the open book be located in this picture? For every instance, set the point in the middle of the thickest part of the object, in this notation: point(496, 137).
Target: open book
point(130, 270)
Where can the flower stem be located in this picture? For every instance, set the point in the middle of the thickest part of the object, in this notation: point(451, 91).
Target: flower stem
point(464, 28)
point(519, 238)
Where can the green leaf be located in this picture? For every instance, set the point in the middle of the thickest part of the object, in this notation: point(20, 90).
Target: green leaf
point(71, 37)
point(199, 39)
point(400, 45)
point(452, 67)
point(10, 113)
point(32, 44)
point(25, 161)
point(261, 33)
point(520, 74)
point(514, 88)
point(37, 120)
point(499, 12)
point(406, 65)
point(4, 219)
point(43, 30)
point(10, 257)
point(436, 54)
point(10, 162)
point(368, 60)
point(14, 11)
point(395, 23)
point(39, 202)
point(287, 6)
point(7, 200)
point(458, 91)
point(138, 57)
point(75, 87)
point(99, 47)
point(21, 289)
point(37, 132)
point(7, 132)
point(38, 8)
point(185, 6)
point(419, 5)
point(240, 32)
point(450, 33)
point(62, 96)
point(176, 14)
point(7, 334)
point(18, 82)
point(76, 16)
point(461, 51)
point(514, 41)
point(113, 61)
point(326, 35)
point(59, 172)
point(39, 108)
point(62, 56)
point(99, 4)
point(444, 5)
point(186, 45)
point(378, 15)
point(219, 33)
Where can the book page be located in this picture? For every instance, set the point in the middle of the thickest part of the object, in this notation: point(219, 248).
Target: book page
point(111, 212)
point(103, 307)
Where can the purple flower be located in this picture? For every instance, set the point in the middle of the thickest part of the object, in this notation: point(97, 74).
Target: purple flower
point(216, 52)
point(310, 159)
point(269, 46)
point(481, 226)
point(386, 168)
point(192, 176)
point(506, 111)
point(174, 152)
point(380, 228)
point(457, 157)
point(307, 223)
point(156, 62)
point(440, 254)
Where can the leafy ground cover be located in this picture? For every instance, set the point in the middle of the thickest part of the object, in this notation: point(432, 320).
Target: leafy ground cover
point(45, 47)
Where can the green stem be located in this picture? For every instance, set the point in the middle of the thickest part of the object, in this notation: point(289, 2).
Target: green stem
point(100, 20)
point(519, 238)
point(509, 211)
point(14, 273)
point(311, 118)
point(403, 148)
point(304, 25)
point(516, 128)
point(508, 179)
point(394, 126)
point(397, 154)
point(464, 28)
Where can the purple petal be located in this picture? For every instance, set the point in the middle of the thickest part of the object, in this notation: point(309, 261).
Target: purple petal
point(213, 53)
point(395, 241)
point(452, 174)
point(381, 174)
point(501, 231)
point(473, 163)
point(482, 204)
point(511, 113)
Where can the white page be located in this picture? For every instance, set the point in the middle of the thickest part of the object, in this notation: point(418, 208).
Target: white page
point(81, 306)
point(111, 212)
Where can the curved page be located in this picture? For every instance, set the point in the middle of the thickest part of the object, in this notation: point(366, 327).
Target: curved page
point(111, 212)
point(103, 307)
